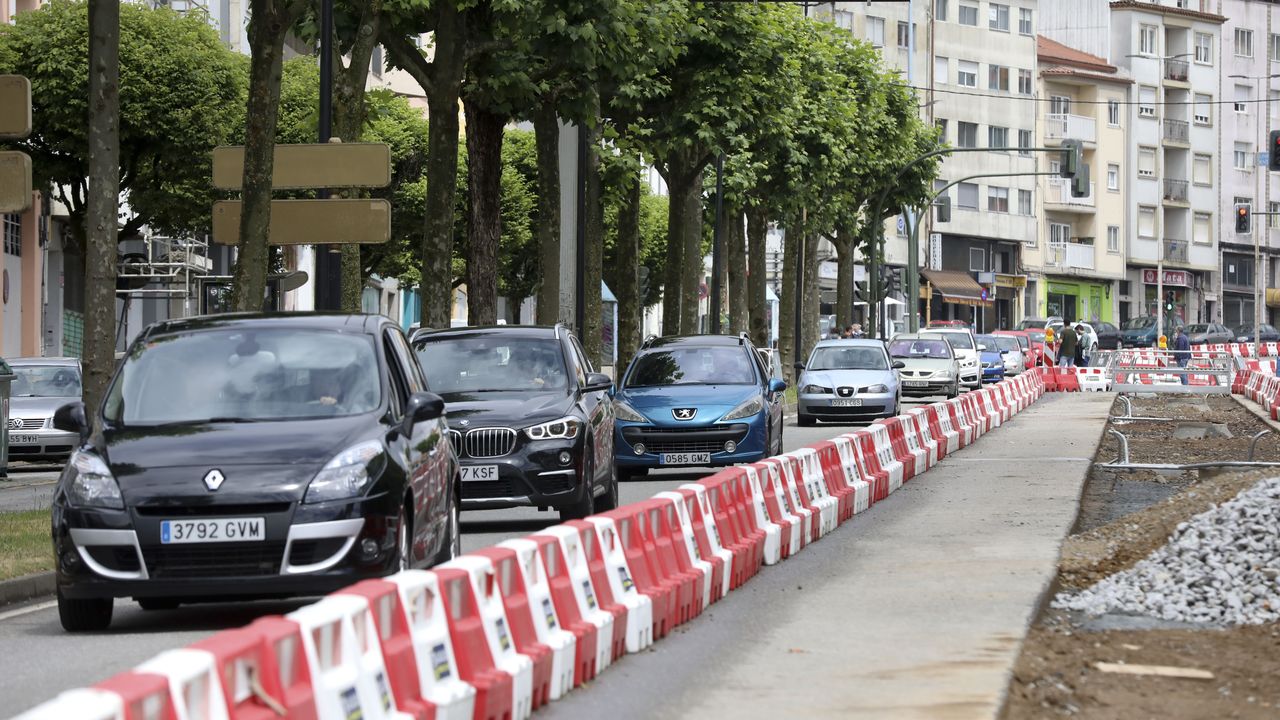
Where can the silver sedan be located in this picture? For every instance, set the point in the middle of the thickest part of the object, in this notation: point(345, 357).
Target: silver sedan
point(848, 380)
point(39, 388)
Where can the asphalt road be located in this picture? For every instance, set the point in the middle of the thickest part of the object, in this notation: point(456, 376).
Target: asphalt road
point(53, 661)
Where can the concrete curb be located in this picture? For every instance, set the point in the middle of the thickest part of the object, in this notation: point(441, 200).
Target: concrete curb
point(27, 587)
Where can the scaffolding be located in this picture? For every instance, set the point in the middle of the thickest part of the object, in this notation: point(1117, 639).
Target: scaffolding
point(174, 266)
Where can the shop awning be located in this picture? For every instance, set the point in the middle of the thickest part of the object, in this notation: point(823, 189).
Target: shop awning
point(1273, 297)
point(955, 286)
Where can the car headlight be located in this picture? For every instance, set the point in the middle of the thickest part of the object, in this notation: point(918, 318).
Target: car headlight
point(942, 375)
point(566, 428)
point(812, 389)
point(970, 362)
point(348, 473)
point(745, 409)
point(92, 484)
point(877, 389)
point(624, 411)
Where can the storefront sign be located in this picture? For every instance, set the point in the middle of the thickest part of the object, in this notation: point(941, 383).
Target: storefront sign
point(1171, 277)
point(1011, 281)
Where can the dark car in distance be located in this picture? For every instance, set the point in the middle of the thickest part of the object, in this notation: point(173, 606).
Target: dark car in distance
point(1244, 333)
point(530, 419)
point(1108, 335)
point(247, 456)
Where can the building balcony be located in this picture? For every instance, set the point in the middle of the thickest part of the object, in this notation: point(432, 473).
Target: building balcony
point(1176, 70)
point(1175, 191)
point(1061, 126)
point(1075, 256)
point(1059, 195)
point(1175, 251)
point(1177, 131)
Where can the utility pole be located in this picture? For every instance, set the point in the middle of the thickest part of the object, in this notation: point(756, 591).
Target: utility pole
point(717, 249)
point(328, 269)
point(913, 246)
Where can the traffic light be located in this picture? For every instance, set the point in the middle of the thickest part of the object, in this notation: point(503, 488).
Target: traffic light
point(1072, 157)
point(1273, 156)
point(894, 284)
point(1244, 219)
point(944, 208)
point(1080, 183)
point(1169, 297)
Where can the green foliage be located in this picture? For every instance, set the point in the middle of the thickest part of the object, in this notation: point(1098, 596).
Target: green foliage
point(653, 241)
point(180, 93)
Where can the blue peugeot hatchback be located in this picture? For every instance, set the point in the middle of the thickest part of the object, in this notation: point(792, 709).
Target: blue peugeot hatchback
point(700, 400)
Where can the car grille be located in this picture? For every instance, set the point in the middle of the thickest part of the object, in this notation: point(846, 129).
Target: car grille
point(675, 440)
point(484, 489)
point(249, 510)
point(483, 442)
point(307, 552)
point(556, 483)
point(26, 423)
point(917, 373)
point(214, 560)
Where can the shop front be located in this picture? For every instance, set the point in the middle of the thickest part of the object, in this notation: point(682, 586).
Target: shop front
point(1078, 300)
point(1178, 288)
point(955, 295)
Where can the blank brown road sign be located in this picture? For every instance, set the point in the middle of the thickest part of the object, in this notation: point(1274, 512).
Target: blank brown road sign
point(15, 107)
point(15, 182)
point(308, 222)
point(317, 165)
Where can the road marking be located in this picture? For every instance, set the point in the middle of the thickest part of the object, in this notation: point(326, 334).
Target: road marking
point(28, 610)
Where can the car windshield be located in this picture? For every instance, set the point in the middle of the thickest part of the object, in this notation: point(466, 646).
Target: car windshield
point(245, 375)
point(1036, 336)
point(1007, 344)
point(933, 349)
point(492, 363)
point(847, 358)
point(692, 366)
point(960, 340)
point(1193, 329)
point(1242, 329)
point(1140, 323)
point(55, 381)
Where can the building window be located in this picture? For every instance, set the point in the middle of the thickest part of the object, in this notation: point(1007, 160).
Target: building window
point(967, 195)
point(1203, 112)
point(375, 62)
point(969, 15)
point(1204, 48)
point(941, 70)
point(1237, 270)
point(966, 134)
point(844, 20)
point(1059, 105)
point(1242, 98)
point(940, 10)
point(938, 185)
point(1202, 169)
point(1024, 82)
point(997, 199)
point(998, 78)
point(1202, 228)
point(1147, 39)
point(1242, 155)
point(1024, 21)
point(941, 123)
point(1113, 238)
point(1146, 222)
point(1024, 202)
point(998, 17)
point(967, 74)
point(1059, 234)
point(997, 137)
point(1146, 162)
point(1273, 220)
point(1275, 47)
point(904, 36)
point(977, 260)
point(1147, 101)
point(1244, 43)
point(1024, 143)
point(1113, 113)
point(875, 31)
point(1113, 176)
point(13, 234)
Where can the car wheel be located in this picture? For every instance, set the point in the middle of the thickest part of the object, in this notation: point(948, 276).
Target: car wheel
point(84, 614)
point(609, 500)
point(805, 420)
point(404, 555)
point(954, 392)
point(583, 507)
point(157, 604)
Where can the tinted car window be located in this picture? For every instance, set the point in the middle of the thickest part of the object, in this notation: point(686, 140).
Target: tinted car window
point(413, 373)
point(848, 358)
point(248, 375)
point(493, 364)
point(692, 366)
point(959, 340)
point(1197, 329)
point(1140, 323)
point(1006, 343)
point(56, 381)
point(919, 349)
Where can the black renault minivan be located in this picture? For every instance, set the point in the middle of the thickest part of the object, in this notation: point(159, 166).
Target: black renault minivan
point(248, 456)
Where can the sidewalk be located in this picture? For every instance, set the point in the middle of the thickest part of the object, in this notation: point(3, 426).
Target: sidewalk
point(28, 488)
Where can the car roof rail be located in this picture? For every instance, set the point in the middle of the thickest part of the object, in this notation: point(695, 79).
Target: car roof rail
point(743, 338)
point(648, 340)
point(557, 329)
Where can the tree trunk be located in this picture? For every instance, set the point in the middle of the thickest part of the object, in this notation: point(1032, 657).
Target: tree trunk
point(591, 330)
point(791, 249)
point(843, 241)
point(736, 257)
point(103, 200)
point(757, 304)
point(351, 285)
point(691, 275)
point(812, 296)
point(627, 287)
point(484, 222)
point(546, 129)
point(269, 21)
point(673, 268)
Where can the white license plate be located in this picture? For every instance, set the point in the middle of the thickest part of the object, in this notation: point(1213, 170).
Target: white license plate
point(23, 439)
point(915, 383)
point(846, 402)
point(479, 472)
point(207, 530)
point(685, 458)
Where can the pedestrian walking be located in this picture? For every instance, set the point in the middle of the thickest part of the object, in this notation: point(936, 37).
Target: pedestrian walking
point(1181, 350)
point(1067, 345)
point(1081, 361)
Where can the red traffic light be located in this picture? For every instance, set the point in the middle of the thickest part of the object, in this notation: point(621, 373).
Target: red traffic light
point(1242, 211)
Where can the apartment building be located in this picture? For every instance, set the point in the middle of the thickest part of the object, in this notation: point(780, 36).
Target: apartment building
point(1077, 260)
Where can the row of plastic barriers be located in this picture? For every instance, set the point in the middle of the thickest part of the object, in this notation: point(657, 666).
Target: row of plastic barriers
point(1258, 382)
point(495, 634)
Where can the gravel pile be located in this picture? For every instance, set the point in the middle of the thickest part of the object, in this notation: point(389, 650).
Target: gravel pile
point(1221, 566)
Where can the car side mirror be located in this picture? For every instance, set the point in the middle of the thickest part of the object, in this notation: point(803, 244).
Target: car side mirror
point(597, 382)
point(777, 385)
point(982, 347)
point(71, 418)
point(423, 406)
point(799, 367)
point(898, 364)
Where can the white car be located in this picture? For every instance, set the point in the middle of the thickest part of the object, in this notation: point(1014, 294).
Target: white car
point(966, 349)
point(1011, 353)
